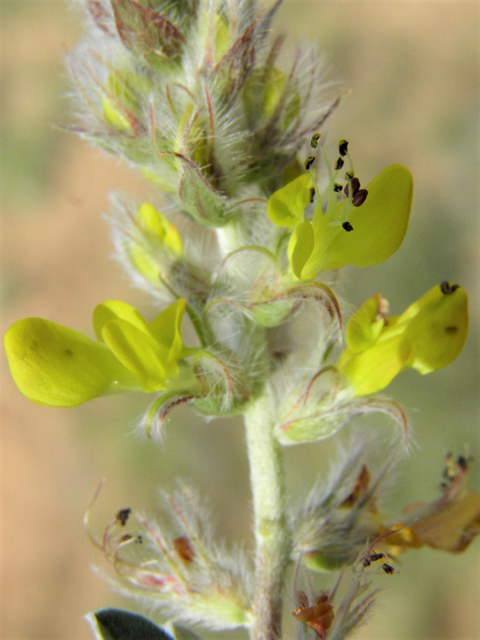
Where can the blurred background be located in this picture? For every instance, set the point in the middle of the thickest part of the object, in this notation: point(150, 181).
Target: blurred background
point(414, 71)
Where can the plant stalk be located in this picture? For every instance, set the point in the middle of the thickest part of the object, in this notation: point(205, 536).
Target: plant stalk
point(271, 532)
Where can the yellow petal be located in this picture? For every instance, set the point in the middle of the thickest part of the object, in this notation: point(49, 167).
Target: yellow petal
point(113, 309)
point(139, 352)
point(300, 247)
point(56, 366)
point(286, 206)
point(437, 327)
point(366, 325)
point(379, 225)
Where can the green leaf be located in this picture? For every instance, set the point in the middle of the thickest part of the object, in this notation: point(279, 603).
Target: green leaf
point(56, 366)
point(286, 207)
point(115, 624)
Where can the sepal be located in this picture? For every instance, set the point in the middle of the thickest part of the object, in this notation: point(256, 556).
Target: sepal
point(146, 32)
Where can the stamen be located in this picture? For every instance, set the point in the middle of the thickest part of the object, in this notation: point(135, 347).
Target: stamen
point(337, 187)
point(123, 515)
point(347, 226)
point(343, 147)
point(309, 162)
point(312, 194)
point(349, 175)
point(355, 187)
point(360, 197)
point(447, 288)
point(315, 139)
point(339, 164)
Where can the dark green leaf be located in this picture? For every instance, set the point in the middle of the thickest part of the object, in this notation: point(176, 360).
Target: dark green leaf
point(115, 624)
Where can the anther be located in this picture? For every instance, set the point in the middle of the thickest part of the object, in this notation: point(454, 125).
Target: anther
point(349, 175)
point(347, 226)
point(315, 139)
point(388, 568)
point(339, 164)
point(360, 197)
point(343, 147)
point(123, 515)
point(312, 194)
point(447, 288)
point(309, 161)
point(337, 187)
point(355, 187)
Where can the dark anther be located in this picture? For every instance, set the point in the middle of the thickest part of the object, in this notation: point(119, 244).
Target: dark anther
point(360, 197)
point(339, 164)
point(366, 562)
point(388, 568)
point(376, 556)
point(139, 539)
point(462, 463)
point(315, 139)
point(355, 187)
point(349, 175)
point(123, 515)
point(347, 226)
point(309, 161)
point(312, 194)
point(343, 147)
point(126, 537)
point(337, 187)
point(447, 288)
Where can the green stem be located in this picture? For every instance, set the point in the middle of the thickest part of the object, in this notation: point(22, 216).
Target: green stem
point(271, 532)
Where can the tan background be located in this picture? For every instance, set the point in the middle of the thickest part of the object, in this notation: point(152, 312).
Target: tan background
point(415, 73)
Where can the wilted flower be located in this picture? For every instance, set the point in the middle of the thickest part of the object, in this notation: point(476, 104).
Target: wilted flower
point(427, 336)
point(333, 529)
point(175, 566)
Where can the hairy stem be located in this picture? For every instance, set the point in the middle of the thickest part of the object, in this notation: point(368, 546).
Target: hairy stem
point(271, 533)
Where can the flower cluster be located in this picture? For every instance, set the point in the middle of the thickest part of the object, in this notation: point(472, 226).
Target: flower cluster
point(244, 243)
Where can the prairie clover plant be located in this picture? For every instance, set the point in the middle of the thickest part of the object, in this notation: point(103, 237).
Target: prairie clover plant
point(253, 220)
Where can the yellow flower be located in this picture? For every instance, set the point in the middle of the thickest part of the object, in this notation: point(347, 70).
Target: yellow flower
point(57, 366)
point(429, 335)
point(355, 226)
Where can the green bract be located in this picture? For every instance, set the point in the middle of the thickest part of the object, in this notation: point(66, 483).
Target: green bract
point(56, 366)
point(429, 335)
point(342, 233)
